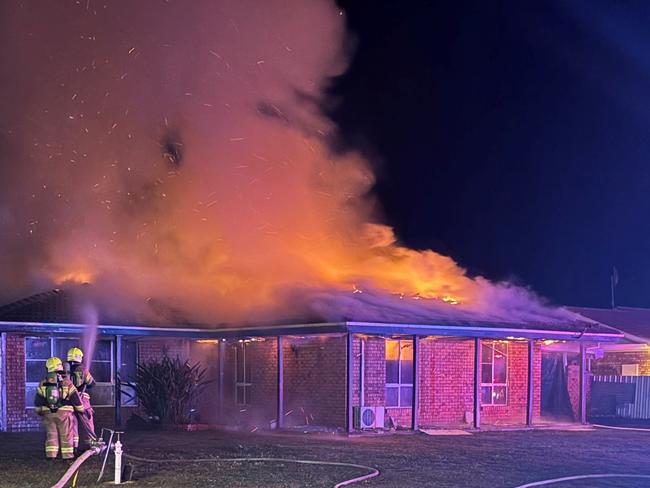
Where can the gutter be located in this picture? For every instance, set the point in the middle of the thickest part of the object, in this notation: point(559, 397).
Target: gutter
point(375, 328)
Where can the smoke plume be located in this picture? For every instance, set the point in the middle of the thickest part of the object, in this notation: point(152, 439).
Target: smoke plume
point(173, 153)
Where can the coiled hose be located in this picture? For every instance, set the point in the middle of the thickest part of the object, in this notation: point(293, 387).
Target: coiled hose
point(373, 472)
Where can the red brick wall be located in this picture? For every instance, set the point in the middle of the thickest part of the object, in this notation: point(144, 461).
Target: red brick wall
point(315, 380)
point(573, 385)
point(261, 411)
point(515, 410)
point(154, 348)
point(314, 383)
point(18, 417)
point(446, 380)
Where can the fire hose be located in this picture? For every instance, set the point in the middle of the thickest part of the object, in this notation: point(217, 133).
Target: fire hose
point(592, 476)
point(373, 472)
point(74, 467)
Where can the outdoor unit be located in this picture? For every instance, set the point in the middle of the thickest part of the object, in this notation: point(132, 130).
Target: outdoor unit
point(368, 418)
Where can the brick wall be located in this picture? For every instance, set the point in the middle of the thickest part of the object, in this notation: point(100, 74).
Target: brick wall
point(573, 386)
point(314, 383)
point(611, 363)
point(515, 410)
point(446, 381)
point(315, 380)
point(18, 417)
point(154, 348)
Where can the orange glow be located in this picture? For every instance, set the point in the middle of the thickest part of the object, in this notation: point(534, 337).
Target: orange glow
point(79, 277)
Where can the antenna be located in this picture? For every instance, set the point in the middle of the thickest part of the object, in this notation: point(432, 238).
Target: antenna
point(614, 282)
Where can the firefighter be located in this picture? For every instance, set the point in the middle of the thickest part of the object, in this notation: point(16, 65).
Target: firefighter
point(56, 401)
point(83, 381)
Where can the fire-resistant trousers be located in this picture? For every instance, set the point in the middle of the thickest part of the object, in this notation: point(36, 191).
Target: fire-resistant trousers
point(59, 434)
point(84, 423)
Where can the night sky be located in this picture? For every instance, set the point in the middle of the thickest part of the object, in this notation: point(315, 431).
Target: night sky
point(512, 136)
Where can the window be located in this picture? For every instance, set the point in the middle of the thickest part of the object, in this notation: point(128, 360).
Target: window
point(399, 373)
point(243, 374)
point(39, 349)
point(494, 373)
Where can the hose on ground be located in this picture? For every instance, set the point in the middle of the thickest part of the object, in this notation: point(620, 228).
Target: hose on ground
point(74, 467)
point(581, 477)
point(613, 427)
point(373, 472)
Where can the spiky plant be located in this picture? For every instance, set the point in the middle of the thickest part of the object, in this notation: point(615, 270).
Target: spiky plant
point(167, 388)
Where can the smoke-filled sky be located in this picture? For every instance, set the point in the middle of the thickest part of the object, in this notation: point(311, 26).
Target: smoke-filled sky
point(513, 136)
point(177, 152)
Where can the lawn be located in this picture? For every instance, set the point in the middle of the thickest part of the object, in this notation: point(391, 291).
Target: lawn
point(487, 459)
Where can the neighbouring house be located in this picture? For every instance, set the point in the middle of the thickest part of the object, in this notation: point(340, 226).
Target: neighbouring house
point(345, 375)
point(620, 373)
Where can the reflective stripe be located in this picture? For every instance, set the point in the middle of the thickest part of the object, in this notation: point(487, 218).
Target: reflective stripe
point(51, 448)
point(67, 449)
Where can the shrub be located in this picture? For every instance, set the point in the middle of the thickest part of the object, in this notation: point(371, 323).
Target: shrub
point(167, 389)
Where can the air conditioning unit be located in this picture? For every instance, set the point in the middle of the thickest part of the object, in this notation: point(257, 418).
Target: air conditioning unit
point(368, 418)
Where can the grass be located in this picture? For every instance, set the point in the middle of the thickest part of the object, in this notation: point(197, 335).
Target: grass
point(487, 459)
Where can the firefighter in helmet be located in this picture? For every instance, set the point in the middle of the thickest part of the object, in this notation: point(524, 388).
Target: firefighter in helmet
point(56, 401)
point(83, 381)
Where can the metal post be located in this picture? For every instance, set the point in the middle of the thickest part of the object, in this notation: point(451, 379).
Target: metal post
point(530, 399)
point(583, 383)
point(222, 354)
point(3, 382)
point(416, 384)
point(280, 406)
point(477, 383)
point(362, 373)
point(118, 380)
point(349, 419)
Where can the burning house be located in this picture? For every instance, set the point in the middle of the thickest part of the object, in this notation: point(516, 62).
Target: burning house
point(189, 175)
point(345, 375)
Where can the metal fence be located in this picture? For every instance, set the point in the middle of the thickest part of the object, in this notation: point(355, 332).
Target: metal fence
point(623, 396)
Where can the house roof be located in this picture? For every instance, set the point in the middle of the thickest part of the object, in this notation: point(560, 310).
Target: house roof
point(633, 322)
point(59, 311)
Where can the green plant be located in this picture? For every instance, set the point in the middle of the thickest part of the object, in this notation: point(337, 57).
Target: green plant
point(167, 388)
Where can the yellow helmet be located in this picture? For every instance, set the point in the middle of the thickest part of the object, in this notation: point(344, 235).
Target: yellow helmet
point(54, 365)
point(75, 354)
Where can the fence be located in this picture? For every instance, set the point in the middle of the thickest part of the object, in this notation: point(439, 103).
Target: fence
point(623, 396)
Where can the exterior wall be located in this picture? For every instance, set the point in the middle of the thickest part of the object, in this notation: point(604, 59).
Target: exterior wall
point(515, 410)
point(154, 348)
point(446, 381)
point(612, 362)
point(314, 383)
point(18, 417)
point(573, 385)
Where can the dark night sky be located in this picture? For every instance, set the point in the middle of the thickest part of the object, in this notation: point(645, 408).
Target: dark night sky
point(512, 136)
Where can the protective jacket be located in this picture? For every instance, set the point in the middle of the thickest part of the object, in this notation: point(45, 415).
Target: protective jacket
point(53, 395)
point(81, 378)
point(56, 401)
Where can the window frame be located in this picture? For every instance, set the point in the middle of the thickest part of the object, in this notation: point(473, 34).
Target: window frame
point(398, 386)
point(493, 384)
point(241, 348)
point(52, 340)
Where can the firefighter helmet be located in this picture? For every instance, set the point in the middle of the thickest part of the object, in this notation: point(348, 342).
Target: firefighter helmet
point(75, 354)
point(54, 365)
